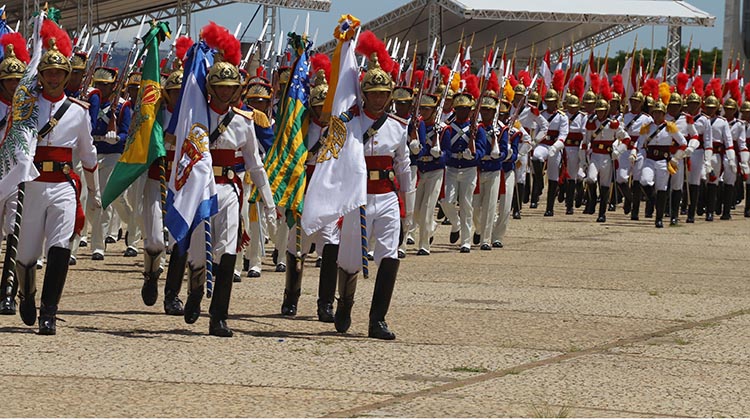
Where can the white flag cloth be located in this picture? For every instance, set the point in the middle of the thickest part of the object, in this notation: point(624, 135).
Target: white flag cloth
point(339, 184)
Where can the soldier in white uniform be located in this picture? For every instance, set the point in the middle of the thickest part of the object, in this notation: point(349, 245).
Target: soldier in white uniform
point(655, 141)
point(536, 126)
point(516, 136)
point(737, 130)
point(52, 209)
point(744, 154)
point(722, 154)
point(387, 160)
point(602, 144)
point(633, 120)
point(685, 124)
point(576, 131)
point(223, 85)
point(550, 150)
point(11, 71)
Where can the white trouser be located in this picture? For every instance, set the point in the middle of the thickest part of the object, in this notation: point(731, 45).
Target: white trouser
point(505, 204)
point(624, 168)
point(49, 214)
point(571, 156)
point(716, 162)
point(153, 226)
point(677, 180)
point(600, 168)
point(383, 226)
point(522, 164)
point(413, 198)
point(428, 191)
point(459, 189)
point(102, 218)
point(489, 189)
point(8, 213)
point(224, 228)
point(327, 235)
point(257, 230)
point(134, 195)
point(728, 176)
point(697, 168)
point(655, 173)
point(541, 153)
point(638, 166)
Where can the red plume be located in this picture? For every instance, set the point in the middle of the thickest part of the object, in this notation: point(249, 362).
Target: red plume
point(417, 77)
point(220, 39)
point(49, 31)
point(524, 77)
point(747, 92)
point(733, 88)
point(260, 71)
point(578, 85)
point(321, 62)
point(558, 81)
point(682, 81)
point(472, 85)
point(698, 86)
point(181, 46)
point(513, 81)
point(19, 45)
point(617, 85)
point(595, 83)
point(444, 73)
point(369, 43)
point(604, 89)
point(493, 84)
point(714, 88)
point(651, 88)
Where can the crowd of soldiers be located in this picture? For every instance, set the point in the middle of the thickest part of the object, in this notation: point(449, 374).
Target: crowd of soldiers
point(475, 150)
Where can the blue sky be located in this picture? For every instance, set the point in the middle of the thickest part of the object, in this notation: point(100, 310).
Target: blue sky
point(229, 16)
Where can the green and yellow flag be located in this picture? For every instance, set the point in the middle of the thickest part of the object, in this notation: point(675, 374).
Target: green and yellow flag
point(145, 141)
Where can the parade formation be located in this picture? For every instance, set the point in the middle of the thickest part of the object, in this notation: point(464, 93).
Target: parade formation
point(206, 160)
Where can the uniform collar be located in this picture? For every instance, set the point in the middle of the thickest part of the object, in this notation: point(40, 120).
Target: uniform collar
point(370, 116)
point(53, 100)
point(213, 108)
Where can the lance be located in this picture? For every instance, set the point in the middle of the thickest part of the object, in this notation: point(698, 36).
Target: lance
point(92, 63)
point(168, 60)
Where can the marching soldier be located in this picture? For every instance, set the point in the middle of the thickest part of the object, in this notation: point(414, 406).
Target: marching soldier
point(744, 154)
point(54, 213)
point(737, 130)
point(697, 170)
point(550, 150)
point(721, 154)
point(576, 131)
point(655, 140)
point(633, 120)
point(516, 136)
point(74, 86)
point(536, 126)
point(403, 99)
point(387, 161)
point(685, 124)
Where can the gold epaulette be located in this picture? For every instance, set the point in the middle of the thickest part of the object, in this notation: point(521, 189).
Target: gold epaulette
point(400, 120)
point(645, 128)
point(81, 103)
point(517, 125)
point(672, 127)
point(241, 112)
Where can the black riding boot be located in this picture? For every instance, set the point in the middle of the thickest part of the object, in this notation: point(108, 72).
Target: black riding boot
point(570, 187)
point(327, 283)
point(293, 285)
point(627, 197)
point(196, 280)
point(710, 201)
point(747, 200)
point(719, 203)
point(551, 193)
point(703, 193)
point(579, 194)
point(603, 200)
point(728, 199)
point(173, 284)
point(636, 207)
point(151, 272)
point(661, 203)
point(527, 188)
point(693, 202)
point(561, 193)
point(27, 292)
point(536, 190)
point(684, 197)
point(674, 207)
point(342, 320)
point(55, 274)
point(381, 299)
point(650, 199)
point(516, 203)
point(590, 199)
point(222, 292)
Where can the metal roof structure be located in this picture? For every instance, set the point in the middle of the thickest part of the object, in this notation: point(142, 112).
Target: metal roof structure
point(541, 23)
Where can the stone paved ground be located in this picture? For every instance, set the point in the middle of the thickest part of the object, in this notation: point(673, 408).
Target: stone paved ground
point(571, 318)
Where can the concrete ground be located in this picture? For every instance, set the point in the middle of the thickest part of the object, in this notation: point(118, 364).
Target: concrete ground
point(571, 318)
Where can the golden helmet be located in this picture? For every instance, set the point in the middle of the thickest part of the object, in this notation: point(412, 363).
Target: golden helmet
point(376, 79)
point(428, 100)
point(520, 89)
point(134, 79)
point(573, 101)
point(693, 98)
point(589, 97)
point(675, 99)
point(504, 106)
point(730, 104)
point(616, 97)
point(262, 91)
point(54, 59)
point(649, 101)
point(745, 106)
point(463, 99)
point(223, 74)
point(658, 107)
point(319, 91)
point(711, 102)
point(551, 96)
point(11, 67)
point(534, 98)
point(601, 105)
point(489, 100)
point(174, 80)
point(258, 79)
point(104, 75)
point(403, 94)
point(637, 96)
point(78, 61)
point(284, 73)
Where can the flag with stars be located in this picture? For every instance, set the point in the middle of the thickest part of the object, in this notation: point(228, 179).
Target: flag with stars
point(285, 162)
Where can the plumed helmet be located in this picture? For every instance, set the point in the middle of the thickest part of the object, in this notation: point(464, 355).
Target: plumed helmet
point(54, 59)
point(223, 74)
point(637, 96)
point(428, 100)
point(320, 89)
point(261, 91)
point(104, 75)
point(285, 72)
point(745, 107)
point(601, 105)
point(403, 94)
point(551, 96)
point(174, 80)
point(520, 89)
point(489, 100)
point(711, 102)
point(573, 101)
point(693, 98)
point(658, 106)
point(59, 48)
point(534, 98)
point(589, 97)
point(463, 99)
point(134, 79)
point(78, 61)
point(376, 79)
point(730, 104)
point(675, 99)
point(616, 97)
point(11, 67)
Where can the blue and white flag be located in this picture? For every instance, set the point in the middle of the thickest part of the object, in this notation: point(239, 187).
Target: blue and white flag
point(191, 198)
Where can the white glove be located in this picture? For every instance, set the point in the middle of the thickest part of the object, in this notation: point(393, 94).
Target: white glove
point(415, 147)
point(435, 151)
point(495, 153)
point(633, 157)
point(556, 147)
point(745, 163)
point(524, 149)
point(111, 137)
point(271, 217)
point(732, 160)
point(582, 157)
point(692, 145)
point(467, 154)
point(707, 155)
point(94, 201)
point(679, 154)
point(615, 153)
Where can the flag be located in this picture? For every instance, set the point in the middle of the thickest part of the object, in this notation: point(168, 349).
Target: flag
point(19, 141)
point(145, 141)
point(590, 68)
point(466, 63)
point(339, 183)
point(4, 29)
point(545, 70)
point(191, 198)
point(285, 162)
